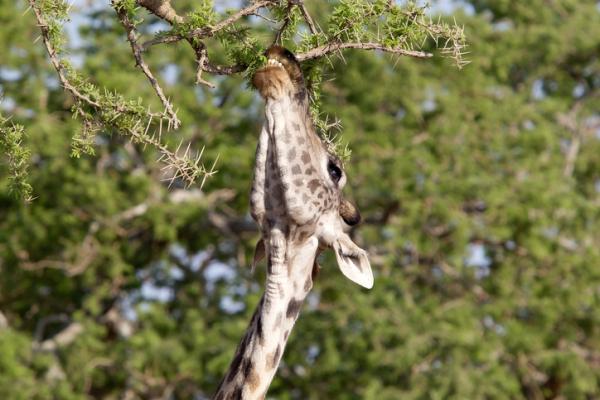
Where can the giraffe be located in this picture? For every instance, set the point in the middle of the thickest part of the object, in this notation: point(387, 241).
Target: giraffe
point(296, 200)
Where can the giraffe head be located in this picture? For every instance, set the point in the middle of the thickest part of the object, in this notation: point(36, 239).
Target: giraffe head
point(312, 179)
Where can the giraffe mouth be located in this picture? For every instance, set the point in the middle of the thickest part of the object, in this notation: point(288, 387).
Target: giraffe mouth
point(271, 62)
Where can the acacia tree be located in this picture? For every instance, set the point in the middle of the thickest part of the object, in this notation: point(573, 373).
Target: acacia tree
point(355, 24)
point(479, 191)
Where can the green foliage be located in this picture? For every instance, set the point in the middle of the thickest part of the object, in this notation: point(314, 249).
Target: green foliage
point(243, 46)
point(17, 158)
point(203, 16)
point(57, 13)
point(484, 244)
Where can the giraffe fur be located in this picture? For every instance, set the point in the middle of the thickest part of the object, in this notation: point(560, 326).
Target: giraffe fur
point(296, 200)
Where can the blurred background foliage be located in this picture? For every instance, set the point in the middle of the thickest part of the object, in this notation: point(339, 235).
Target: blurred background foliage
point(480, 190)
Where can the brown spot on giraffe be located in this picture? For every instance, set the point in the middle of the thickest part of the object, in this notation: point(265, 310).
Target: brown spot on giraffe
point(273, 360)
point(291, 154)
point(308, 284)
point(293, 308)
point(253, 380)
point(305, 157)
point(287, 137)
point(303, 235)
point(310, 171)
point(313, 185)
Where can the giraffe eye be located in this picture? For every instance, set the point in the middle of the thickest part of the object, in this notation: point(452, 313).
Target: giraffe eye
point(335, 173)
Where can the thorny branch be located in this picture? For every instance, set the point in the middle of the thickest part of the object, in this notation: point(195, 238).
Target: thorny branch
point(202, 33)
point(158, 7)
point(321, 51)
point(131, 120)
point(137, 53)
point(162, 9)
point(184, 166)
point(206, 32)
point(307, 17)
point(286, 22)
point(55, 61)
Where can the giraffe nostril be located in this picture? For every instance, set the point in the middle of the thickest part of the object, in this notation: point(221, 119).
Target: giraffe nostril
point(352, 219)
point(349, 213)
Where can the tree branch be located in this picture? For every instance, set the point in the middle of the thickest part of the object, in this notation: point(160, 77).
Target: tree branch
point(321, 51)
point(162, 9)
point(161, 40)
point(54, 58)
point(204, 64)
point(109, 110)
point(204, 32)
point(286, 21)
point(202, 60)
point(61, 339)
point(307, 17)
point(207, 32)
point(137, 53)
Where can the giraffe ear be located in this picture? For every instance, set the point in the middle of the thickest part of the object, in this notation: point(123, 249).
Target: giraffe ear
point(259, 254)
point(353, 261)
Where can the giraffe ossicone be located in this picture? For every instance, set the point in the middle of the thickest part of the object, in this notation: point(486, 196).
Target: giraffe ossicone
point(297, 201)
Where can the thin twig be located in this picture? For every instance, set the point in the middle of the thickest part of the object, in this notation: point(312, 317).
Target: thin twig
point(207, 31)
point(60, 69)
point(201, 59)
point(201, 33)
point(204, 64)
point(162, 9)
point(286, 22)
point(186, 168)
point(335, 46)
point(223, 69)
point(137, 53)
point(259, 15)
point(43, 25)
point(161, 40)
point(308, 18)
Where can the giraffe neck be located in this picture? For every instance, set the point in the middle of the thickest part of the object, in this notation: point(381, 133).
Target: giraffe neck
point(259, 352)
